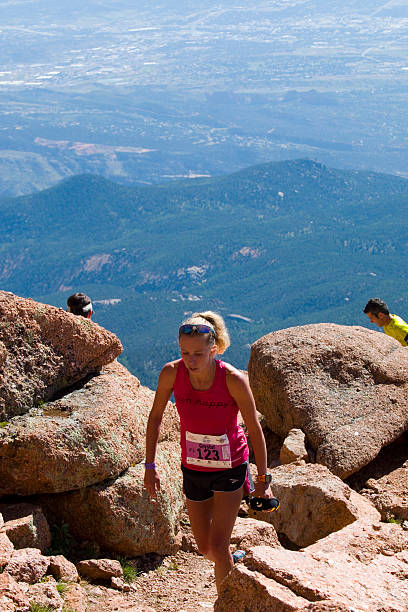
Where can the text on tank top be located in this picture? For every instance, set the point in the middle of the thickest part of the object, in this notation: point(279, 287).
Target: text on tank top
point(210, 437)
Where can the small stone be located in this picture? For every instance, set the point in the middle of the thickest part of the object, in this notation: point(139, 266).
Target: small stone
point(100, 569)
point(62, 569)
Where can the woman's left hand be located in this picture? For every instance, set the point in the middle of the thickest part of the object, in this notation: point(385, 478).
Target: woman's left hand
point(263, 490)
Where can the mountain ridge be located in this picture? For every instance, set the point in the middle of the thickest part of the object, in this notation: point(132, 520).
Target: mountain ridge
point(279, 244)
point(261, 173)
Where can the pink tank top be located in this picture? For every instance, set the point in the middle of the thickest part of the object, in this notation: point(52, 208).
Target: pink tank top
point(210, 437)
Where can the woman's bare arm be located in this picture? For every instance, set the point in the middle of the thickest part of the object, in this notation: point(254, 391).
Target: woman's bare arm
point(240, 390)
point(162, 396)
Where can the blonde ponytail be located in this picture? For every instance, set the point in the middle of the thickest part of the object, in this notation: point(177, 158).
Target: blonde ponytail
point(222, 339)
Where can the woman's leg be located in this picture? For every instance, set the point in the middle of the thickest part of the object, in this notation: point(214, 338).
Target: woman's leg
point(224, 514)
point(200, 515)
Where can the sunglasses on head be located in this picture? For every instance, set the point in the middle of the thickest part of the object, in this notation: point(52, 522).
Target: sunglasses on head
point(190, 328)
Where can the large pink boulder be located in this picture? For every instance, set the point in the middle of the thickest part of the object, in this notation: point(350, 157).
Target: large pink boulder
point(362, 567)
point(346, 388)
point(119, 515)
point(247, 591)
point(87, 436)
point(313, 503)
point(365, 540)
point(44, 350)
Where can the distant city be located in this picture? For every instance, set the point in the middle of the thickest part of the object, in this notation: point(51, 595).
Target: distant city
point(168, 90)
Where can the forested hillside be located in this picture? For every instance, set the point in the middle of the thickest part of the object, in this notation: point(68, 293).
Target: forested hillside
point(275, 245)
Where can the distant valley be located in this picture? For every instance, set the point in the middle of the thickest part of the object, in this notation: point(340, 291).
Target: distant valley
point(271, 246)
point(159, 91)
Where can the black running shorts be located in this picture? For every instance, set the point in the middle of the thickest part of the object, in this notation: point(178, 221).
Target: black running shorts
point(200, 486)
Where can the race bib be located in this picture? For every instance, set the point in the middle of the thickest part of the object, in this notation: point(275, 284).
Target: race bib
point(208, 451)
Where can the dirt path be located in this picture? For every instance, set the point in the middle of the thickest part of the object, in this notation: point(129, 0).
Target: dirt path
point(183, 582)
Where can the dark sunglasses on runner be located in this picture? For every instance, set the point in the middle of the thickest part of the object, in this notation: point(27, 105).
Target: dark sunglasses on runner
point(190, 328)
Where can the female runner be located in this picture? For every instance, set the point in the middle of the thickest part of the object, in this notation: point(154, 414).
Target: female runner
point(214, 449)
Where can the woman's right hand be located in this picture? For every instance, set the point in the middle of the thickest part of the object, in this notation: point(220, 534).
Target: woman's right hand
point(151, 482)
